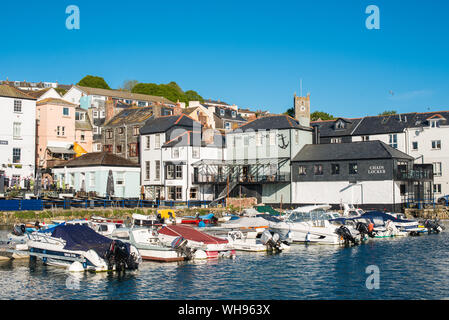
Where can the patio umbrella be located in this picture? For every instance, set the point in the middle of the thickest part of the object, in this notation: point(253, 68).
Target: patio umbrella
point(37, 184)
point(110, 185)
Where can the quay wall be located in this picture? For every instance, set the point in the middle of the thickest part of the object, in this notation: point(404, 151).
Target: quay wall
point(9, 218)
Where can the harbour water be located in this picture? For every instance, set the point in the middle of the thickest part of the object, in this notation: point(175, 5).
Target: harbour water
point(409, 268)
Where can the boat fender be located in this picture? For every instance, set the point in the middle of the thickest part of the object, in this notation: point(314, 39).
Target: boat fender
point(200, 254)
point(76, 267)
point(201, 224)
point(371, 227)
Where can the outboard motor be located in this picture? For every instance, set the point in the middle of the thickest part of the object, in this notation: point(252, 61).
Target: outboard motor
point(364, 230)
point(180, 245)
point(19, 230)
point(160, 219)
point(433, 226)
point(119, 256)
point(272, 241)
point(346, 235)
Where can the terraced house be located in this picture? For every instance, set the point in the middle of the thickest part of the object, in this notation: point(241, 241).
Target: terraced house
point(170, 147)
point(17, 137)
point(98, 101)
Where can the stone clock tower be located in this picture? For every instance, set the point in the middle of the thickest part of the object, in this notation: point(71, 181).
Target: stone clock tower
point(302, 109)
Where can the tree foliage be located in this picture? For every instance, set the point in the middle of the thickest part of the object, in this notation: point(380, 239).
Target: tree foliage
point(171, 91)
point(314, 116)
point(290, 112)
point(128, 85)
point(93, 82)
point(320, 115)
point(388, 113)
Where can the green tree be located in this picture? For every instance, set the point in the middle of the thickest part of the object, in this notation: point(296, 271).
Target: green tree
point(290, 112)
point(388, 113)
point(321, 115)
point(93, 82)
point(170, 91)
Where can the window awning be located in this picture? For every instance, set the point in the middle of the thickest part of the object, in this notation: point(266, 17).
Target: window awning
point(60, 150)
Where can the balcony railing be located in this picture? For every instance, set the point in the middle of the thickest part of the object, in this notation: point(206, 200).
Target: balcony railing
point(414, 175)
point(247, 179)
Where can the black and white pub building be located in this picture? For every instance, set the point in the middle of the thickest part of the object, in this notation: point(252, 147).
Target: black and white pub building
point(369, 174)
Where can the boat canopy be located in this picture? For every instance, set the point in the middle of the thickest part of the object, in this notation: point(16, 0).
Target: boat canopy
point(82, 238)
point(190, 234)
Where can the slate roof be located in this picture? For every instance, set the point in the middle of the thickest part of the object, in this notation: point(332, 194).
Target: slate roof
point(349, 151)
point(272, 122)
point(11, 92)
point(55, 101)
point(98, 159)
point(36, 94)
point(215, 102)
point(164, 123)
point(381, 124)
point(228, 114)
point(328, 128)
point(132, 115)
point(124, 95)
point(194, 139)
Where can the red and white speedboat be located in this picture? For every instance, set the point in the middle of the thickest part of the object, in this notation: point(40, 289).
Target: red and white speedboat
point(213, 247)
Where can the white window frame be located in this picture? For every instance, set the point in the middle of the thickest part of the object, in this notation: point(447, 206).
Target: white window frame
point(147, 170)
point(437, 169)
point(436, 144)
point(17, 106)
point(17, 130)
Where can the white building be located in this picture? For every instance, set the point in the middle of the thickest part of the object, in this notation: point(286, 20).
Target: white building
point(368, 174)
point(170, 146)
point(17, 135)
point(424, 136)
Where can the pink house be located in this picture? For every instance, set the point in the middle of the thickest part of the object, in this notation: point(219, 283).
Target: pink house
point(55, 119)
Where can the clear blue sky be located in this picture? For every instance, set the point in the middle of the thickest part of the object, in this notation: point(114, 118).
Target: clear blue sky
point(251, 53)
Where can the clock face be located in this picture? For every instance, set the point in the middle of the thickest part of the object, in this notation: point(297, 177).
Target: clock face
point(303, 108)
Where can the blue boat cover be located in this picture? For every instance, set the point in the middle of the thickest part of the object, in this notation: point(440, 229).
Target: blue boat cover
point(207, 216)
point(82, 238)
point(382, 215)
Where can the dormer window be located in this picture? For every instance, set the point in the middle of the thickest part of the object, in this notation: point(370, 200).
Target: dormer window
point(434, 123)
point(233, 114)
point(222, 112)
point(339, 125)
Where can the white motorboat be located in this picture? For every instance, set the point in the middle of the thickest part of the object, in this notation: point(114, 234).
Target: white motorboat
point(310, 224)
point(249, 242)
point(257, 224)
point(150, 248)
point(106, 228)
point(213, 247)
point(80, 248)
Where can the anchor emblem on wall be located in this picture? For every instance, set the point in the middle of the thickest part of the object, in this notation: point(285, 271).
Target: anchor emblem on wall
point(282, 139)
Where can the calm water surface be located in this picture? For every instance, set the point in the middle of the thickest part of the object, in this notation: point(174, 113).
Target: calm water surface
point(410, 268)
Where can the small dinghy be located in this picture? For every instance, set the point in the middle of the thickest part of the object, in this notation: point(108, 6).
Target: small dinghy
point(205, 245)
point(249, 241)
point(79, 245)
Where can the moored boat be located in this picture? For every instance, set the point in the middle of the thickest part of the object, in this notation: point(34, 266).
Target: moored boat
point(213, 247)
point(147, 242)
point(81, 248)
